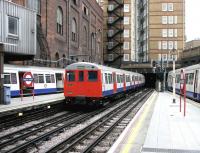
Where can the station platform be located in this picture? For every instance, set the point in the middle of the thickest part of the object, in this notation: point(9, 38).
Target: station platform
point(27, 103)
point(159, 126)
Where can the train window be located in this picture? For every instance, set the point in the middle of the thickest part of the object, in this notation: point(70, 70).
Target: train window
point(10, 78)
point(191, 78)
point(70, 76)
point(122, 78)
point(81, 76)
point(52, 78)
point(92, 75)
point(118, 78)
point(48, 78)
point(109, 78)
point(187, 78)
point(13, 78)
point(106, 78)
point(7, 78)
point(40, 78)
point(35, 76)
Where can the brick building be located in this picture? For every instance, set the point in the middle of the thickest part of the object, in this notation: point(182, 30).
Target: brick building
point(67, 30)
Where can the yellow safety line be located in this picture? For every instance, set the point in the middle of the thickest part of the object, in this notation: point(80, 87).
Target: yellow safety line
point(138, 125)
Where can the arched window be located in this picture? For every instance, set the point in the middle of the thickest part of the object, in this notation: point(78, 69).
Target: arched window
point(85, 39)
point(59, 21)
point(74, 30)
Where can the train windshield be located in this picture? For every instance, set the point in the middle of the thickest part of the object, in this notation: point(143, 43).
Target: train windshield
point(70, 76)
point(92, 75)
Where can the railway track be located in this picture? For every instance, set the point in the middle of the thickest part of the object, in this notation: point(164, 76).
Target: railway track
point(14, 120)
point(29, 138)
point(89, 139)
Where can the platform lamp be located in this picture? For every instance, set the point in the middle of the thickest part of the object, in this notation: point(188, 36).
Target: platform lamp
point(173, 52)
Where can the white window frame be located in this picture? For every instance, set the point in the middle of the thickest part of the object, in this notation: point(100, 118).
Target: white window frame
point(159, 45)
point(110, 32)
point(110, 44)
point(126, 45)
point(164, 6)
point(126, 8)
point(175, 32)
point(11, 34)
point(170, 19)
point(110, 7)
point(126, 57)
point(164, 32)
point(170, 7)
point(175, 19)
point(164, 19)
point(164, 44)
point(126, 20)
point(126, 33)
point(170, 32)
point(170, 45)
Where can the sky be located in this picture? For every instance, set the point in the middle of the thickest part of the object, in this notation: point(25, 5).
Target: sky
point(192, 19)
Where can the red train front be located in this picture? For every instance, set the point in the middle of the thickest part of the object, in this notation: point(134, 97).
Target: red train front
point(82, 83)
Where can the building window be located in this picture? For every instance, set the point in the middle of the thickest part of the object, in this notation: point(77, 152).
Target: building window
point(175, 45)
point(164, 45)
point(170, 7)
point(110, 57)
point(110, 19)
point(170, 32)
point(126, 7)
point(59, 21)
point(164, 32)
point(110, 44)
point(85, 39)
point(110, 32)
point(74, 30)
point(74, 2)
point(170, 19)
point(167, 7)
point(126, 45)
point(13, 26)
point(164, 6)
point(170, 44)
point(164, 19)
point(126, 20)
point(85, 9)
point(110, 7)
point(126, 57)
point(126, 33)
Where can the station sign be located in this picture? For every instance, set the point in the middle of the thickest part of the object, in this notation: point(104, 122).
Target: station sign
point(28, 79)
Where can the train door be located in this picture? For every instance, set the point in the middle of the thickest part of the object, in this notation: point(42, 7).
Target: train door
point(114, 83)
point(59, 81)
point(196, 83)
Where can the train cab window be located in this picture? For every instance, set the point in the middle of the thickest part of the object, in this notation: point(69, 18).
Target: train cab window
point(7, 78)
point(70, 76)
point(41, 78)
point(81, 76)
point(92, 75)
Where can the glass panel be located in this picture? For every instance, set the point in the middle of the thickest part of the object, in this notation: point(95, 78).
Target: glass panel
point(7, 79)
point(13, 78)
point(92, 75)
point(52, 78)
point(36, 79)
point(13, 25)
point(70, 76)
point(48, 78)
point(81, 76)
point(41, 78)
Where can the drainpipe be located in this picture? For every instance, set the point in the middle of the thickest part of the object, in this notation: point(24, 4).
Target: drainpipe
point(1, 73)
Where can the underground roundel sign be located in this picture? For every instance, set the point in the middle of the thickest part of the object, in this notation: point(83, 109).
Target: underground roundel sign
point(28, 79)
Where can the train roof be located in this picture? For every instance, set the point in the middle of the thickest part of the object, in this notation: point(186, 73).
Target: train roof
point(28, 68)
point(193, 67)
point(94, 66)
